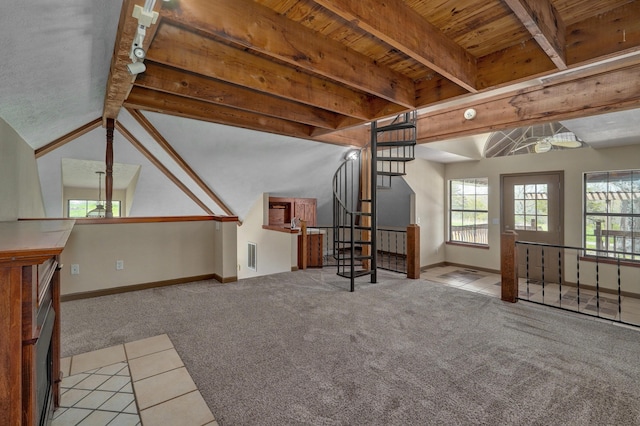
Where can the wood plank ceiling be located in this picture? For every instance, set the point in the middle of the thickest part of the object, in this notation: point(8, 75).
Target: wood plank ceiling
point(319, 69)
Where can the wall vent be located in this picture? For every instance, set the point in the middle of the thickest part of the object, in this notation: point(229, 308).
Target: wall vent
point(252, 254)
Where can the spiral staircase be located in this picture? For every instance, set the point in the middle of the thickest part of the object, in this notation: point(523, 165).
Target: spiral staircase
point(355, 186)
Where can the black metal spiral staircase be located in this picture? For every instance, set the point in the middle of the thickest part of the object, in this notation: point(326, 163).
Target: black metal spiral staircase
point(354, 216)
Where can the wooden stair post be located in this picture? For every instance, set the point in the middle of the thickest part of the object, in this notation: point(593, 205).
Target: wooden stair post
point(305, 243)
point(509, 266)
point(413, 251)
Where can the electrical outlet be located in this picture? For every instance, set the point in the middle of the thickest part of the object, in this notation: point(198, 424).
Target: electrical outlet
point(75, 269)
point(119, 265)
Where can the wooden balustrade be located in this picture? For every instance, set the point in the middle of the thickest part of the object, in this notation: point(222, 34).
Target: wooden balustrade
point(509, 266)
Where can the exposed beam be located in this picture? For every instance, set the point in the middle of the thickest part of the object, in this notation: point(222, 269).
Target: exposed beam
point(401, 27)
point(436, 89)
point(177, 82)
point(65, 139)
point(256, 27)
point(144, 151)
point(517, 63)
point(120, 81)
point(546, 26)
point(616, 90)
point(164, 103)
point(188, 51)
point(595, 39)
point(614, 32)
point(160, 140)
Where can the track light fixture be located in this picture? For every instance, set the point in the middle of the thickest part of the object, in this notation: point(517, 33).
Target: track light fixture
point(136, 68)
point(146, 17)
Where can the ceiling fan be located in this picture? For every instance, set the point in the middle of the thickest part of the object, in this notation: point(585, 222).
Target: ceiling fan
point(562, 140)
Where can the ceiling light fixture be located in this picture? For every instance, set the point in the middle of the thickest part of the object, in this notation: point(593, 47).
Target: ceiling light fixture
point(352, 155)
point(99, 211)
point(146, 17)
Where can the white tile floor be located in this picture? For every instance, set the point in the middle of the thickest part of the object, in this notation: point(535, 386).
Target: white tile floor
point(138, 383)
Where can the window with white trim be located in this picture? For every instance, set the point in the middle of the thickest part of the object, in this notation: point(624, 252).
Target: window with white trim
point(469, 210)
point(80, 208)
point(612, 214)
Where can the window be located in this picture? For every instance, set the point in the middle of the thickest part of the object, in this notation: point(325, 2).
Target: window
point(80, 208)
point(612, 214)
point(531, 207)
point(468, 210)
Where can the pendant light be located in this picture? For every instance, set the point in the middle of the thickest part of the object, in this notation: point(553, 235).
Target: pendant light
point(99, 211)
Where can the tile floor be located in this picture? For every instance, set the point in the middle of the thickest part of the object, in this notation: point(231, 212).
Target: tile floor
point(139, 383)
point(605, 307)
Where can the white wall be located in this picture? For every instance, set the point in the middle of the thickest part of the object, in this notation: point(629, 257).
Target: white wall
point(152, 252)
point(426, 179)
point(20, 195)
point(274, 249)
point(573, 162)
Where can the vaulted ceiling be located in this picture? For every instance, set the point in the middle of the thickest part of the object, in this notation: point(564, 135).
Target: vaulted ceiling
point(315, 70)
point(319, 69)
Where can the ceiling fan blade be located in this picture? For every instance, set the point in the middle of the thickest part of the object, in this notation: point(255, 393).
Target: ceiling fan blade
point(565, 143)
point(564, 140)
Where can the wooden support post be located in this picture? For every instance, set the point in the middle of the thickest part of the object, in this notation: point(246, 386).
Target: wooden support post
point(108, 183)
point(413, 251)
point(305, 243)
point(509, 266)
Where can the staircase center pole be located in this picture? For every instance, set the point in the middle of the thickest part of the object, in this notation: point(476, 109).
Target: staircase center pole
point(374, 203)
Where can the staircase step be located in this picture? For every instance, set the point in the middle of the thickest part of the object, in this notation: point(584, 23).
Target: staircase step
point(366, 200)
point(396, 126)
point(409, 142)
point(398, 159)
point(354, 242)
point(380, 173)
point(360, 227)
point(362, 213)
point(359, 273)
point(358, 257)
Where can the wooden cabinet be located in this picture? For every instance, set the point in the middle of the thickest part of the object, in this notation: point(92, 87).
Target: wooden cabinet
point(314, 250)
point(30, 319)
point(283, 209)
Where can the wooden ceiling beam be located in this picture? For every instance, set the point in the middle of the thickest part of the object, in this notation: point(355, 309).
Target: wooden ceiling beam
point(395, 23)
point(65, 139)
point(177, 82)
point(612, 33)
point(250, 25)
point(615, 90)
point(166, 146)
point(437, 89)
point(546, 26)
point(120, 82)
point(517, 63)
point(144, 151)
point(164, 103)
point(188, 51)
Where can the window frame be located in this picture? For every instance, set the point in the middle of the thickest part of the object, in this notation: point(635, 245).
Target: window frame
point(588, 216)
point(86, 201)
point(475, 211)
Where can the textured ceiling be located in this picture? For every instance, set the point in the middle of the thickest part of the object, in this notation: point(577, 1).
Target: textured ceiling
point(53, 74)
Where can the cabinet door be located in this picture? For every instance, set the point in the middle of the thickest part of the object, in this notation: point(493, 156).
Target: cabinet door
point(305, 209)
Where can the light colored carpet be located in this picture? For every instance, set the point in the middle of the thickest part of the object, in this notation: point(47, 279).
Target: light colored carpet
point(297, 348)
